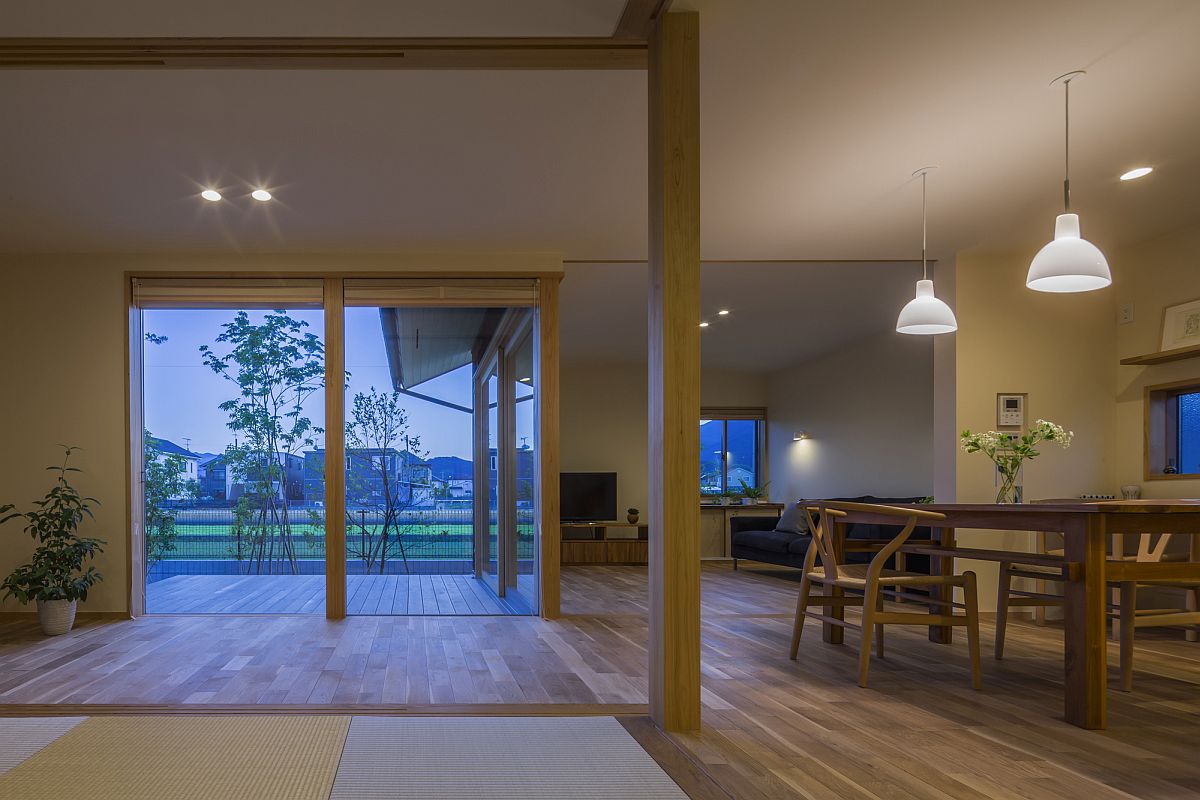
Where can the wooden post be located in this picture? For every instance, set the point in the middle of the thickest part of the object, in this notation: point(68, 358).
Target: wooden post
point(335, 451)
point(674, 372)
point(547, 347)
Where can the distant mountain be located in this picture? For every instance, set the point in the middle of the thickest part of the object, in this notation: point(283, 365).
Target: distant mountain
point(451, 468)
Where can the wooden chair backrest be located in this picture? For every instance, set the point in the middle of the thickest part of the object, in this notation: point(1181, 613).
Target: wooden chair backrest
point(823, 531)
point(1150, 550)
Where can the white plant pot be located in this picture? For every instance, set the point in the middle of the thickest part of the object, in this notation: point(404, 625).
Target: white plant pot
point(56, 616)
point(749, 501)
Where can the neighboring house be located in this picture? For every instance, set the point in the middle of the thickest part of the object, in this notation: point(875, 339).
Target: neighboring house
point(191, 461)
point(213, 477)
point(409, 476)
point(526, 473)
point(239, 480)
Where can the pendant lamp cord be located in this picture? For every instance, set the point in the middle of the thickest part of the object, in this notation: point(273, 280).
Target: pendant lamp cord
point(1067, 146)
point(924, 263)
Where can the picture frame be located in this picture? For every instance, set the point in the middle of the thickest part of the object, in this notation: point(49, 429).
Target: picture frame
point(1181, 325)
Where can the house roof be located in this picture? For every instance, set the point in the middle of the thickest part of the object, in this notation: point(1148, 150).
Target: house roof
point(168, 447)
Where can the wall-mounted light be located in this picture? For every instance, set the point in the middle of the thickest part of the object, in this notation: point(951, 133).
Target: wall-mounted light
point(800, 436)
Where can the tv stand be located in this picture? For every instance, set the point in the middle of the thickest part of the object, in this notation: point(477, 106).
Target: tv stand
point(592, 543)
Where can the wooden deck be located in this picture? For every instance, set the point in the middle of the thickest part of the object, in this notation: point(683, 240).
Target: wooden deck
point(305, 594)
point(773, 729)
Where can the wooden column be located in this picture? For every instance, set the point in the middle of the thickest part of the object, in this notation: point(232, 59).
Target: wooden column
point(547, 349)
point(674, 367)
point(335, 450)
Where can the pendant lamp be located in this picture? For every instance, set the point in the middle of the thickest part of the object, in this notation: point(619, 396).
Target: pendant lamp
point(925, 314)
point(1070, 263)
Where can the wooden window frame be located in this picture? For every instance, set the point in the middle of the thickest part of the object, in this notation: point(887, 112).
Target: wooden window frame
point(1160, 429)
point(727, 413)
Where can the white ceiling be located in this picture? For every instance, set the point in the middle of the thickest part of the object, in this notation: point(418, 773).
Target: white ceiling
point(779, 314)
point(813, 117)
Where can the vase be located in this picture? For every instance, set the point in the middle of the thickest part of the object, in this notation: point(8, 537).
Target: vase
point(56, 616)
point(1010, 486)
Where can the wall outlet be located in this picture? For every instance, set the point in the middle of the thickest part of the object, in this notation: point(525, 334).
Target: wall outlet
point(1125, 314)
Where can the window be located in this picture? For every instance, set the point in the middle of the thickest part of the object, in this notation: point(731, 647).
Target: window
point(1172, 430)
point(731, 450)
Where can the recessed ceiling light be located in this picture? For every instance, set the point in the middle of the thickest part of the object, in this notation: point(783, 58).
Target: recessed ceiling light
point(262, 195)
point(703, 324)
point(211, 195)
point(724, 312)
point(1134, 174)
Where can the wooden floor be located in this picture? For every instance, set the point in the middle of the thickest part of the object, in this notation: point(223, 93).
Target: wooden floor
point(305, 594)
point(773, 728)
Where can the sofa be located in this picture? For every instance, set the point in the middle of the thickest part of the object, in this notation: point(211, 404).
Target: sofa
point(754, 538)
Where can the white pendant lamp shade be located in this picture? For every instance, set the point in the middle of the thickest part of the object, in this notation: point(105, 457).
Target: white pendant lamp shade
point(925, 314)
point(1069, 263)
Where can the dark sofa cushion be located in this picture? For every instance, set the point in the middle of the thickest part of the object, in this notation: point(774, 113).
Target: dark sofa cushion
point(799, 545)
point(767, 541)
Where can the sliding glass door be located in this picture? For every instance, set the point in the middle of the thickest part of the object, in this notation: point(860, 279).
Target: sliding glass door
point(435, 443)
point(231, 402)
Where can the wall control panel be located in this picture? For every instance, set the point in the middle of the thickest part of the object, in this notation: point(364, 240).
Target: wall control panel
point(1010, 412)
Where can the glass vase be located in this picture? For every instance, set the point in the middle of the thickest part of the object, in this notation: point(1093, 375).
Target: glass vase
point(1010, 486)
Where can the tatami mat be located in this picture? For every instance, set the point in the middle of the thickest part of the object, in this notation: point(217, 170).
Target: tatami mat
point(499, 758)
point(185, 758)
point(21, 737)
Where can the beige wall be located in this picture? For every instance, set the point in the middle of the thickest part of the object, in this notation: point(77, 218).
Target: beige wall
point(604, 418)
point(1060, 349)
point(1157, 273)
point(62, 344)
point(869, 408)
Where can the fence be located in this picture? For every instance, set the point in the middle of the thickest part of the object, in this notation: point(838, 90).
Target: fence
point(213, 541)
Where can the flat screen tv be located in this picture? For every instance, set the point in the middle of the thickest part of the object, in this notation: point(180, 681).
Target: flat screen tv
point(588, 496)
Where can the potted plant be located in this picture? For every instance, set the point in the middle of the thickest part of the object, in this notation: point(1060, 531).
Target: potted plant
point(56, 577)
point(631, 514)
point(753, 495)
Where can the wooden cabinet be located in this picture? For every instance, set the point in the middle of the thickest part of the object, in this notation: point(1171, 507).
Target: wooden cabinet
point(714, 525)
point(585, 543)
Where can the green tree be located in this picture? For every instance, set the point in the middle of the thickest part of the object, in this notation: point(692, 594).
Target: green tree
point(276, 365)
point(378, 425)
point(165, 480)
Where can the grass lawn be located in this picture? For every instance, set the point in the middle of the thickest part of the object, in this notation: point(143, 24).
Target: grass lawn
point(436, 540)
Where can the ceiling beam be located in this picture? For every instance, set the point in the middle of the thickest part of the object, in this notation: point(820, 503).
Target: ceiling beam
point(586, 53)
point(638, 18)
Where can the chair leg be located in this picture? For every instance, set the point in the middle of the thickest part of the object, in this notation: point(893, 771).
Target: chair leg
point(971, 601)
point(801, 607)
point(870, 599)
point(1128, 611)
point(1004, 586)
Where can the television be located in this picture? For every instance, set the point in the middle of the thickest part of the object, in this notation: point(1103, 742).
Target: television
point(588, 496)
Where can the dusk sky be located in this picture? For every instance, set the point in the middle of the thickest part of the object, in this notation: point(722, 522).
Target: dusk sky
point(181, 395)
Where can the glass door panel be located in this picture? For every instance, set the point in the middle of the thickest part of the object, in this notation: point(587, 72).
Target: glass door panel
point(491, 538)
point(232, 404)
point(523, 572)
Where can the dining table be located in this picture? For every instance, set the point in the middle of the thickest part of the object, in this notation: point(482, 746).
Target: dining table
point(1085, 571)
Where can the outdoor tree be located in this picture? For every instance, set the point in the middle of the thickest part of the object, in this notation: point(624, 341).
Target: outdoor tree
point(165, 482)
point(276, 365)
point(385, 455)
